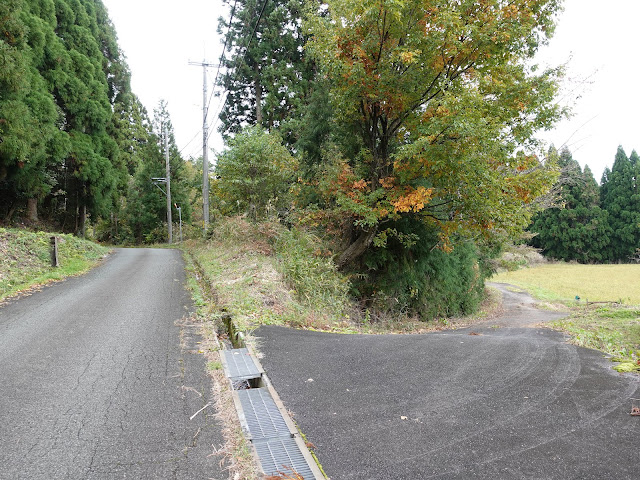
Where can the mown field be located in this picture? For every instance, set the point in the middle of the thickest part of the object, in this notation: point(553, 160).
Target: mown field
point(563, 282)
point(612, 325)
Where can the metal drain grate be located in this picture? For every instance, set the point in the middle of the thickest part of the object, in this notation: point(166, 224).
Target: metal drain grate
point(276, 447)
point(240, 364)
point(282, 455)
point(264, 420)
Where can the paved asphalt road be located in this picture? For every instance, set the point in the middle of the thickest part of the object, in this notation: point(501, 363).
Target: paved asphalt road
point(98, 379)
point(495, 402)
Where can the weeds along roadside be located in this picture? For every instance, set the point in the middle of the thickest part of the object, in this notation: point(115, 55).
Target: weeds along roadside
point(265, 274)
point(236, 451)
point(613, 329)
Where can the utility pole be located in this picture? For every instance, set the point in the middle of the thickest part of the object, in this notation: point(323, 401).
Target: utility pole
point(168, 178)
point(205, 141)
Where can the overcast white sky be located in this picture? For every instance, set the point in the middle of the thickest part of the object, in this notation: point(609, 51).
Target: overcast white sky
point(159, 37)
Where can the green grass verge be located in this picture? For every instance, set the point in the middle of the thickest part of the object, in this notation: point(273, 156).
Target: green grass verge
point(612, 327)
point(264, 274)
point(25, 259)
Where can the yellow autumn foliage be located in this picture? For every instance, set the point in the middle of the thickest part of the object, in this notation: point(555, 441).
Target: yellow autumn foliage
point(414, 201)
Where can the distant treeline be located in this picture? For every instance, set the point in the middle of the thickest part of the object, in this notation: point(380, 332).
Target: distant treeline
point(591, 223)
point(75, 143)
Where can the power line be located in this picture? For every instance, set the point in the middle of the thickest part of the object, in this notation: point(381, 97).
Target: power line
point(255, 27)
point(216, 118)
point(224, 49)
point(220, 62)
point(190, 142)
point(226, 40)
point(246, 50)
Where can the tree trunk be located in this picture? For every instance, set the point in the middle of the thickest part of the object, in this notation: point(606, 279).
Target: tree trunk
point(258, 87)
point(357, 248)
point(83, 222)
point(77, 217)
point(32, 209)
point(11, 211)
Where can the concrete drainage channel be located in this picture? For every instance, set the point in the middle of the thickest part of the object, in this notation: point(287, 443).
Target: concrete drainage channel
point(274, 437)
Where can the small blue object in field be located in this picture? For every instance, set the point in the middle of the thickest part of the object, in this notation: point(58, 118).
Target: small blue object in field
point(577, 298)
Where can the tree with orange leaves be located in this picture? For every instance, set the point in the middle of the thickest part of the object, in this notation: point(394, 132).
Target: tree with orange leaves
point(445, 102)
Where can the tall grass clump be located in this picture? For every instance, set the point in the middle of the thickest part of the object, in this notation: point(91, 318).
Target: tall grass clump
point(307, 267)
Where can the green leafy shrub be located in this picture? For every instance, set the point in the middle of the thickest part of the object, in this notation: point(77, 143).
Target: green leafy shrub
point(255, 174)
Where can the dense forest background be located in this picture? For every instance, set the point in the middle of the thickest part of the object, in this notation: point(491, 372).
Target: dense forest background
point(591, 222)
point(77, 146)
point(402, 134)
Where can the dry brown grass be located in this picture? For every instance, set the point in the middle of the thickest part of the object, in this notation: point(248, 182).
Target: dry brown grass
point(286, 474)
point(236, 451)
point(565, 281)
point(240, 265)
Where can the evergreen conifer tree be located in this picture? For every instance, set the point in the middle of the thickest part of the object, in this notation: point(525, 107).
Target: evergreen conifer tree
point(577, 229)
point(72, 134)
point(621, 198)
point(146, 209)
point(32, 145)
point(267, 76)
